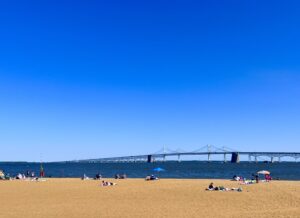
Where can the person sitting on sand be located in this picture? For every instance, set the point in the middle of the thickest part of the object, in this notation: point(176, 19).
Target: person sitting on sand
point(152, 177)
point(211, 186)
point(236, 178)
point(268, 178)
point(105, 183)
point(2, 175)
point(20, 176)
point(85, 177)
point(7, 176)
point(98, 176)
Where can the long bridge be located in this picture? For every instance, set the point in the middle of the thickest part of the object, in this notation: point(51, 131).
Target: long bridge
point(209, 151)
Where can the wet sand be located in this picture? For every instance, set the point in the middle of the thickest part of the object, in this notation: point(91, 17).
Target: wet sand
point(74, 198)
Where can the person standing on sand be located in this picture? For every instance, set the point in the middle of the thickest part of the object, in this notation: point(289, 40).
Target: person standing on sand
point(42, 172)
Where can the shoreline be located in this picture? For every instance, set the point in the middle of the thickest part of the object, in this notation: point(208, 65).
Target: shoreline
point(160, 178)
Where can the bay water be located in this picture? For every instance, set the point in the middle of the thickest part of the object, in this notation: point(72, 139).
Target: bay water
point(172, 169)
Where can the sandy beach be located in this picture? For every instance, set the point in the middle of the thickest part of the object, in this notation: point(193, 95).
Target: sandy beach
point(137, 198)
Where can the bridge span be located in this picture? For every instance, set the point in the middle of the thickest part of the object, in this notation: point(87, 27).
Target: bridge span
point(210, 151)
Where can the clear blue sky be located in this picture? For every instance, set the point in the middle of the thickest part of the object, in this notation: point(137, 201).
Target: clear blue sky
point(87, 79)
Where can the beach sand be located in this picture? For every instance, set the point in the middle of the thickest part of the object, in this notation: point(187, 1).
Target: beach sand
point(72, 198)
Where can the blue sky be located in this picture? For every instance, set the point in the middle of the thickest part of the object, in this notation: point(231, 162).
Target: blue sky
point(94, 79)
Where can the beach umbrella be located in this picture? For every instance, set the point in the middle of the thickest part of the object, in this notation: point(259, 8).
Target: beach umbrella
point(264, 172)
point(158, 170)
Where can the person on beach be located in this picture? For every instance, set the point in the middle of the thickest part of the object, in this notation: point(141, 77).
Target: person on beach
point(211, 186)
point(98, 176)
point(85, 177)
point(42, 172)
point(268, 177)
point(20, 176)
point(152, 177)
point(105, 183)
point(2, 175)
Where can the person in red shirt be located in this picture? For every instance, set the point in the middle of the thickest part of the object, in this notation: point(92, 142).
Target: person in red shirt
point(42, 172)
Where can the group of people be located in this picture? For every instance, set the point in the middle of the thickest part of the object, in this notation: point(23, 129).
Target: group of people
point(28, 175)
point(4, 176)
point(29, 178)
point(117, 176)
point(211, 187)
point(106, 183)
point(122, 176)
point(238, 178)
point(243, 181)
point(255, 179)
point(20, 176)
point(98, 176)
point(152, 177)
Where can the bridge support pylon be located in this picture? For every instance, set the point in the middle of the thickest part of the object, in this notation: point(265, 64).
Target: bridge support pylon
point(149, 159)
point(235, 157)
point(178, 158)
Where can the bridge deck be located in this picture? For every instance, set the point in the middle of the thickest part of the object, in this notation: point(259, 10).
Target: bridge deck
point(295, 155)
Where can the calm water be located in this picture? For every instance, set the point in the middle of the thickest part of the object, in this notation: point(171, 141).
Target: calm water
point(188, 169)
